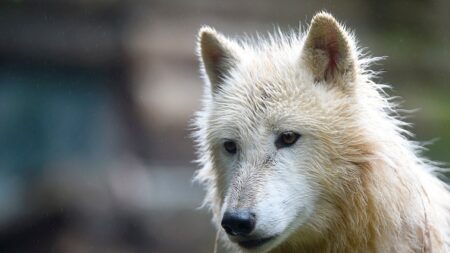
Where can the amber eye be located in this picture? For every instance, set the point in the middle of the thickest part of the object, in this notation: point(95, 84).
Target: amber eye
point(230, 147)
point(286, 139)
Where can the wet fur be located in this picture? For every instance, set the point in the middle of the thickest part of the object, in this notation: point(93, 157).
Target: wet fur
point(379, 194)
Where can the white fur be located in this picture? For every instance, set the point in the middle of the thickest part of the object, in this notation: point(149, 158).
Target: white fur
point(353, 182)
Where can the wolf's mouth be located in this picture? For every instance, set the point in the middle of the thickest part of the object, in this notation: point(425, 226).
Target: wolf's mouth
point(254, 243)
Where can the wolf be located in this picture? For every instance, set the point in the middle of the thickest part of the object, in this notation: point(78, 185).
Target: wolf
point(302, 151)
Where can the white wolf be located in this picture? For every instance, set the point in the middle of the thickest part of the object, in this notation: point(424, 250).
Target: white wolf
point(302, 152)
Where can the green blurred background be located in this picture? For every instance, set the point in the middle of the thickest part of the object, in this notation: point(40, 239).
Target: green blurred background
point(96, 96)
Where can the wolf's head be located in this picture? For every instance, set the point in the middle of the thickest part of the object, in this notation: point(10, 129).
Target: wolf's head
point(278, 134)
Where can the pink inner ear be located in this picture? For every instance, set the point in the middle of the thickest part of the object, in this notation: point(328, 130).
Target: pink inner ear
point(332, 49)
point(329, 44)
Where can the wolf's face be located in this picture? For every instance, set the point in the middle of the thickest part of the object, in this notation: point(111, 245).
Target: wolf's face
point(272, 124)
point(267, 155)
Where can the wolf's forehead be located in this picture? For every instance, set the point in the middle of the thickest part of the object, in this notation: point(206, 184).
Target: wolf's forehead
point(250, 108)
point(270, 105)
point(261, 89)
point(248, 102)
point(241, 107)
point(256, 94)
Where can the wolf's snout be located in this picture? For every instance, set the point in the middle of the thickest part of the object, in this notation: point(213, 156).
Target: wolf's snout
point(240, 222)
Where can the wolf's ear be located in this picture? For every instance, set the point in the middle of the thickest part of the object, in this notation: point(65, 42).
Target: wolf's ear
point(217, 55)
point(328, 51)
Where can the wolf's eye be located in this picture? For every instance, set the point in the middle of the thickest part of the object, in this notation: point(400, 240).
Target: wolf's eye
point(230, 147)
point(286, 139)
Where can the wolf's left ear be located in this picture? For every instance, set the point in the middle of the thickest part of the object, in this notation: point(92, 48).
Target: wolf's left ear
point(218, 55)
point(328, 51)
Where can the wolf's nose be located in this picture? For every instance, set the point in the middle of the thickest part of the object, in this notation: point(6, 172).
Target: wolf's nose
point(241, 222)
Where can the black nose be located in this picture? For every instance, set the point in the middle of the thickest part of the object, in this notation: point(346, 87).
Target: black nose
point(241, 222)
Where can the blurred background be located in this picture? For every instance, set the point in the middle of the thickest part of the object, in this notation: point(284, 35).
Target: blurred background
point(96, 98)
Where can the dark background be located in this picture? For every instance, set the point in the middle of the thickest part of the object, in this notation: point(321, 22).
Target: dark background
point(96, 97)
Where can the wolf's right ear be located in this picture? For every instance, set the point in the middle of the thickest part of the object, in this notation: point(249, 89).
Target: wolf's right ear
point(217, 55)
